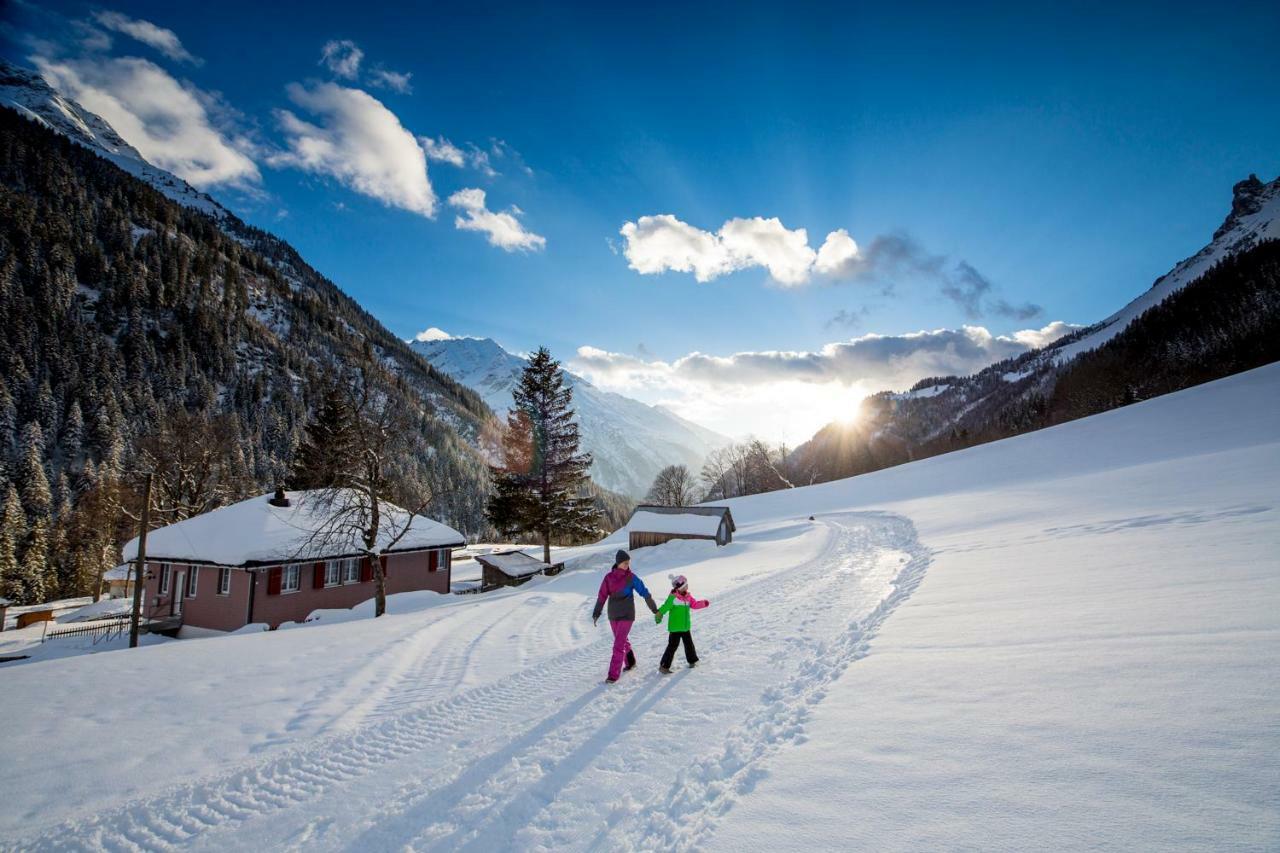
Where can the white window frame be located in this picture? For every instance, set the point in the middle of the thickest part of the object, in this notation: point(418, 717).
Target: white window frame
point(164, 578)
point(350, 570)
point(224, 581)
point(290, 579)
point(193, 577)
point(332, 573)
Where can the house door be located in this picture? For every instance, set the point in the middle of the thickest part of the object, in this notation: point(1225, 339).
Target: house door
point(179, 590)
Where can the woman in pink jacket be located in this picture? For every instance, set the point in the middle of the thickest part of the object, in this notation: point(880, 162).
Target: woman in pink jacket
point(617, 588)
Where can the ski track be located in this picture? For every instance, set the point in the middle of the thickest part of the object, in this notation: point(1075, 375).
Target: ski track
point(485, 768)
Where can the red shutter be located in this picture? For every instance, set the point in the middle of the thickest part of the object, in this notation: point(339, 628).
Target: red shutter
point(273, 581)
point(433, 561)
point(366, 570)
point(319, 576)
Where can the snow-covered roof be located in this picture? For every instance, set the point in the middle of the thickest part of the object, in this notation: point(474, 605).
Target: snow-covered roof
point(120, 572)
point(255, 532)
point(514, 564)
point(694, 524)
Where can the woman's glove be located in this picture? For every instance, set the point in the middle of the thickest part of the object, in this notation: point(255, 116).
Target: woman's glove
point(657, 618)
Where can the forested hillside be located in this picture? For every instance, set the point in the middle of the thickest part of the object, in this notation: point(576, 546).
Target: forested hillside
point(125, 311)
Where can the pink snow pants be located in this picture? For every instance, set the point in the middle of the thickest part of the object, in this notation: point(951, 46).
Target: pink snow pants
point(620, 647)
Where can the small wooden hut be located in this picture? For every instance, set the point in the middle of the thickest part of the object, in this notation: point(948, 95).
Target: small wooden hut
point(512, 568)
point(653, 525)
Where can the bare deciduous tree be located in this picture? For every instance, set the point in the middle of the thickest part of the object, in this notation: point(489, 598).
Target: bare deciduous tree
point(197, 463)
point(355, 509)
point(673, 486)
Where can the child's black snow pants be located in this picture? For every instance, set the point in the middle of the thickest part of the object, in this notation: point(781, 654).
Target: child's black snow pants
point(673, 640)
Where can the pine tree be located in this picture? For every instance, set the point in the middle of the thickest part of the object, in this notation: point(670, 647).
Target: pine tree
point(328, 445)
point(539, 487)
point(37, 497)
point(13, 528)
point(37, 575)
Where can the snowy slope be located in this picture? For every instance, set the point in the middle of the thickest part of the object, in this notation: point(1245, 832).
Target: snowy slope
point(1063, 640)
point(27, 92)
point(629, 441)
point(1255, 216)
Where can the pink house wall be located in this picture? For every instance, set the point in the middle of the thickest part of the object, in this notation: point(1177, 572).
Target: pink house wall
point(208, 609)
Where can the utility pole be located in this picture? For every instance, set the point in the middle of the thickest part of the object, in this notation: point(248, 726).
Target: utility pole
point(140, 569)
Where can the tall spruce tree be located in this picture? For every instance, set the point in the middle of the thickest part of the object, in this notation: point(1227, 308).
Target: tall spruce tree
point(37, 575)
point(13, 529)
point(328, 446)
point(539, 488)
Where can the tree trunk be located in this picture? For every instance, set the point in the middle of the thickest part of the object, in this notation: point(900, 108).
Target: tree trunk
point(380, 585)
point(546, 547)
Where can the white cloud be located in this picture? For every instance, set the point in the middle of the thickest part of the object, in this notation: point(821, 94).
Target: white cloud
point(790, 394)
point(768, 243)
point(838, 255)
point(433, 334)
point(359, 142)
point(655, 244)
point(442, 150)
point(659, 243)
point(395, 80)
point(164, 40)
point(342, 57)
point(1037, 338)
point(165, 120)
point(502, 228)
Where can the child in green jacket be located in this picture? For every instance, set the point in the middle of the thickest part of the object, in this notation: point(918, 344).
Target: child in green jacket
point(679, 603)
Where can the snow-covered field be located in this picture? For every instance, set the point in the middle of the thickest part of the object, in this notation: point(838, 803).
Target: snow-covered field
point(1065, 640)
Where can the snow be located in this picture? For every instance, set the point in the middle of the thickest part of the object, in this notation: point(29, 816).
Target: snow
point(629, 441)
point(254, 531)
point(1065, 639)
point(688, 523)
point(102, 609)
point(516, 564)
point(923, 393)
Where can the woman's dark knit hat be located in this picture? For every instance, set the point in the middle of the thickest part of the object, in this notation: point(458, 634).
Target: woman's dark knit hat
point(620, 558)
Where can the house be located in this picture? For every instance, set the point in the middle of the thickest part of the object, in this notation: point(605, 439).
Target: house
point(512, 568)
point(119, 581)
point(653, 525)
point(264, 560)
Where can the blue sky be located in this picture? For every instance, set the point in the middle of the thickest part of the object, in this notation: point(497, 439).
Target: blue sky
point(986, 161)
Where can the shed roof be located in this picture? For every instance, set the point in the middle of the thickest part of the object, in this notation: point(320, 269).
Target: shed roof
point(513, 564)
point(691, 520)
point(120, 572)
point(255, 532)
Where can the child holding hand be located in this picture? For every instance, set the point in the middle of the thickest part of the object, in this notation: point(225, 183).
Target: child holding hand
point(679, 604)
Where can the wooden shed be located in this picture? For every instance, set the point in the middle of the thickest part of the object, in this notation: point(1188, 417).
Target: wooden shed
point(512, 568)
point(653, 525)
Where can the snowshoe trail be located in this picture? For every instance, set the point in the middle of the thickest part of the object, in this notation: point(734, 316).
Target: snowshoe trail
point(551, 756)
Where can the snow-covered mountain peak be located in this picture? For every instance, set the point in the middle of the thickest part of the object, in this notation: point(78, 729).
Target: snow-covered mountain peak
point(25, 91)
point(1249, 197)
point(629, 441)
point(1254, 216)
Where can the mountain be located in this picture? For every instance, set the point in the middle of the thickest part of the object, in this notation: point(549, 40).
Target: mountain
point(25, 91)
point(1214, 314)
point(629, 440)
point(125, 310)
